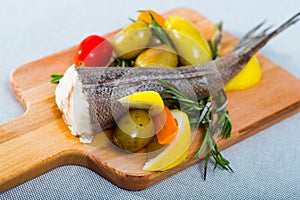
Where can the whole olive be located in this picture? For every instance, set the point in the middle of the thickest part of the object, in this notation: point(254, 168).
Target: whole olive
point(134, 131)
point(132, 40)
point(162, 55)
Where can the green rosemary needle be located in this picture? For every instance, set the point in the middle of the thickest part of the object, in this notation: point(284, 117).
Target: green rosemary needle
point(215, 41)
point(55, 78)
point(158, 31)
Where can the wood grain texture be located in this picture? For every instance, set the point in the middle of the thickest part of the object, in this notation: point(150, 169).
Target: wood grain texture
point(39, 140)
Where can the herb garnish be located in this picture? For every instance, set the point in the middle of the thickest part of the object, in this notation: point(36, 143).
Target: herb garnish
point(215, 42)
point(55, 78)
point(200, 115)
point(157, 30)
point(124, 63)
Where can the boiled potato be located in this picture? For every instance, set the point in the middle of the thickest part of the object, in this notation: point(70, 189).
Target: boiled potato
point(134, 131)
point(132, 40)
point(160, 56)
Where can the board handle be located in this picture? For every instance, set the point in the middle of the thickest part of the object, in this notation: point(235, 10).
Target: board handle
point(32, 145)
point(39, 140)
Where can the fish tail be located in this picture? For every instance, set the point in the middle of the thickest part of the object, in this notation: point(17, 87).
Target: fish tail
point(256, 39)
point(253, 41)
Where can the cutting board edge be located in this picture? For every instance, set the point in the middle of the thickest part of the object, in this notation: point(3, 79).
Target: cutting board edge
point(62, 158)
point(22, 99)
point(263, 124)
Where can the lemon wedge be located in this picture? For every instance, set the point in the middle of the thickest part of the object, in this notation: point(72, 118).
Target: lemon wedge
point(247, 77)
point(177, 151)
point(144, 100)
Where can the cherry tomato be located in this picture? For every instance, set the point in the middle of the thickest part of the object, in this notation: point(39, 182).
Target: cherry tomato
point(93, 51)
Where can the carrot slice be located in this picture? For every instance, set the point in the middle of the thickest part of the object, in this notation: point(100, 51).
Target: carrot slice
point(166, 127)
point(145, 16)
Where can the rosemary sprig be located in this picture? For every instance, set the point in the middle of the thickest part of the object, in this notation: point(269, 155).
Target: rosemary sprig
point(200, 115)
point(125, 63)
point(55, 78)
point(175, 99)
point(215, 41)
point(157, 30)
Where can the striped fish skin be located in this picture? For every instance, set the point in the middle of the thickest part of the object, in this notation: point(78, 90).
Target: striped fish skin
point(104, 86)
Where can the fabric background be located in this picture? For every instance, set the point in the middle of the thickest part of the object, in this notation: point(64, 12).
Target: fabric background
point(267, 165)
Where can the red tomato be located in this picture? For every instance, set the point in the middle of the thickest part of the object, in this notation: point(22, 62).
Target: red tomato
point(93, 51)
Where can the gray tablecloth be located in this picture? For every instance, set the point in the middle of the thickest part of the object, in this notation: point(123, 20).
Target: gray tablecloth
point(267, 165)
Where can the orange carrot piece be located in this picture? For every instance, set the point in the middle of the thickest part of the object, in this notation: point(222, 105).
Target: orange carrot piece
point(145, 16)
point(166, 127)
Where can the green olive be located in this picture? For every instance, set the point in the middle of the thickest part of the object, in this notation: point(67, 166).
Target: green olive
point(190, 52)
point(160, 56)
point(134, 131)
point(132, 40)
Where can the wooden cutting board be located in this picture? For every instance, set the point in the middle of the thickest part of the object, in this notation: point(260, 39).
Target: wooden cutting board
point(39, 140)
